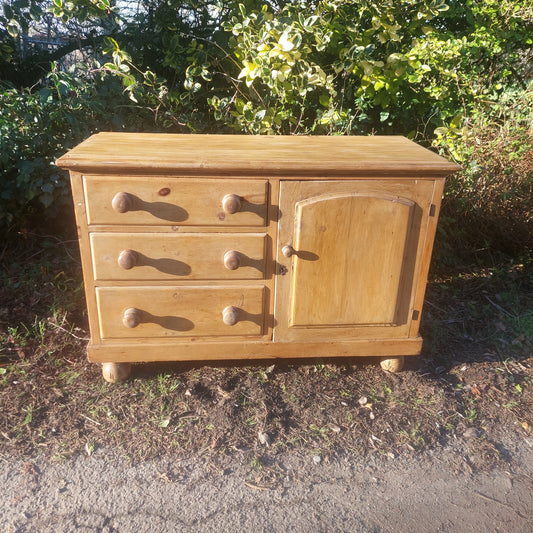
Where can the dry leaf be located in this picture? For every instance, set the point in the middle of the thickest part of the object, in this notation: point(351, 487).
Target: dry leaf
point(475, 390)
point(263, 438)
point(222, 392)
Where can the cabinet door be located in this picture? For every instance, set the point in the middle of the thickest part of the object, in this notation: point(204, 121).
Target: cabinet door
point(356, 249)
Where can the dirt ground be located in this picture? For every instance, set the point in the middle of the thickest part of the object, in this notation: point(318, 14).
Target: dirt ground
point(107, 493)
point(307, 445)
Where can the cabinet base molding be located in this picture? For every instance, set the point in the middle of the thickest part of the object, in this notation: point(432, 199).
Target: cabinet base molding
point(192, 351)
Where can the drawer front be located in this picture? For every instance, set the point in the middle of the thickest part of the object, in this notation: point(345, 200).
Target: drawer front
point(175, 201)
point(150, 312)
point(161, 256)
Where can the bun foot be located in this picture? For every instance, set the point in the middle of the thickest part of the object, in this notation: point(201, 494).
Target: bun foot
point(392, 364)
point(115, 372)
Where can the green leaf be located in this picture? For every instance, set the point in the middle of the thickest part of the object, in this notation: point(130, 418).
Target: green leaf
point(309, 21)
point(285, 43)
point(35, 11)
point(456, 121)
point(12, 28)
point(128, 81)
point(324, 100)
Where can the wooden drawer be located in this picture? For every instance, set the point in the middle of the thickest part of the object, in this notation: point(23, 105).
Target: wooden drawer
point(133, 312)
point(151, 200)
point(161, 256)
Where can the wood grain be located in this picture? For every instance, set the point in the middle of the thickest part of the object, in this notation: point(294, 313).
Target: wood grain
point(174, 201)
point(177, 256)
point(354, 272)
point(182, 241)
point(348, 259)
point(179, 311)
point(202, 349)
point(225, 155)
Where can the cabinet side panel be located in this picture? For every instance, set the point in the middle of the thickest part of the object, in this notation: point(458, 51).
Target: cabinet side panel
point(432, 220)
point(80, 210)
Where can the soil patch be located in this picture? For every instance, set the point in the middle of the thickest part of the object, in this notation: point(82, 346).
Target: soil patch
point(473, 382)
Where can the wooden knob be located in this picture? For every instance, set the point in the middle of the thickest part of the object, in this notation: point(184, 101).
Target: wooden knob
point(231, 203)
point(115, 372)
point(232, 260)
point(122, 202)
point(127, 259)
point(287, 250)
point(230, 315)
point(131, 318)
point(392, 364)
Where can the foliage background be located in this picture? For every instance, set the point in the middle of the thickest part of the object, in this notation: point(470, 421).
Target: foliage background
point(454, 75)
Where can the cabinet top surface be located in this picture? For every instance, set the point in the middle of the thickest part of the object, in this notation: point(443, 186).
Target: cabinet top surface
point(247, 155)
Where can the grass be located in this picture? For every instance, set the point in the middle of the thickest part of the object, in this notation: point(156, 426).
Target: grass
point(475, 372)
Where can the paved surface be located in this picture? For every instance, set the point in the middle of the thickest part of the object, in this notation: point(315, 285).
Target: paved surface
point(106, 493)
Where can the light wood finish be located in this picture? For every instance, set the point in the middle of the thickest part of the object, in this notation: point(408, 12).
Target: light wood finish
point(239, 247)
point(202, 349)
point(227, 155)
point(151, 312)
point(127, 259)
point(157, 256)
point(392, 364)
point(232, 259)
point(430, 232)
point(80, 210)
point(338, 284)
point(231, 203)
point(357, 252)
point(230, 315)
point(115, 372)
point(154, 200)
point(122, 202)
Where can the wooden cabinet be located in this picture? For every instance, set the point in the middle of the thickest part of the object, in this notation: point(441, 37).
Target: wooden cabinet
point(223, 247)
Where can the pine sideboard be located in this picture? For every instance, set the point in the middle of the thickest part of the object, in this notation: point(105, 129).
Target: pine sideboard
point(202, 247)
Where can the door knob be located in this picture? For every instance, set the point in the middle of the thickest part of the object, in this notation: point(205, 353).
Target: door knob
point(287, 250)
